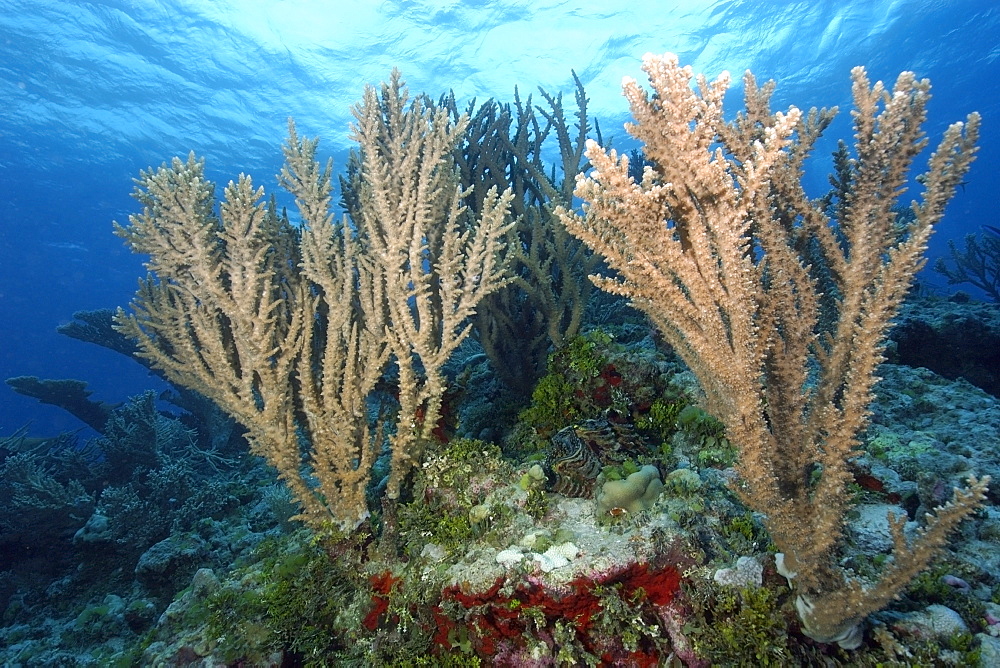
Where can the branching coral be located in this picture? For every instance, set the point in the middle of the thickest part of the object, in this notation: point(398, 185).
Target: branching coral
point(978, 264)
point(290, 329)
point(710, 243)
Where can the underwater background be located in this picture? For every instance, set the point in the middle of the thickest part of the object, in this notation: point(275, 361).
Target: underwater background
point(136, 530)
point(93, 92)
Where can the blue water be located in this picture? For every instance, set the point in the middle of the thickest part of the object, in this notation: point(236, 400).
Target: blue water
point(92, 92)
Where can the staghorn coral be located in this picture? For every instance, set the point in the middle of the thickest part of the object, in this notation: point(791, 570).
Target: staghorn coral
point(710, 244)
point(289, 330)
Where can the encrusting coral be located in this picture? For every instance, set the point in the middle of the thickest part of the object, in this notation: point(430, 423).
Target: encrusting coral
point(716, 244)
point(289, 329)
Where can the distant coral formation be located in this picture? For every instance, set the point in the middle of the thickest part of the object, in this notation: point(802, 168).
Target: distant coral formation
point(977, 264)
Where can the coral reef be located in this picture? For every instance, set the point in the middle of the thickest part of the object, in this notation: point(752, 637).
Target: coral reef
point(691, 580)
point(613, 521)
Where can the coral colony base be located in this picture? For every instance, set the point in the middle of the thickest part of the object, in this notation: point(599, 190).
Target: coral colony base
point(705, 475)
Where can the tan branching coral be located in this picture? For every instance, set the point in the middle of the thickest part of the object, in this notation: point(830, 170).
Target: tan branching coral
point(435, 261)
point(713, 245)
point(289, 329)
